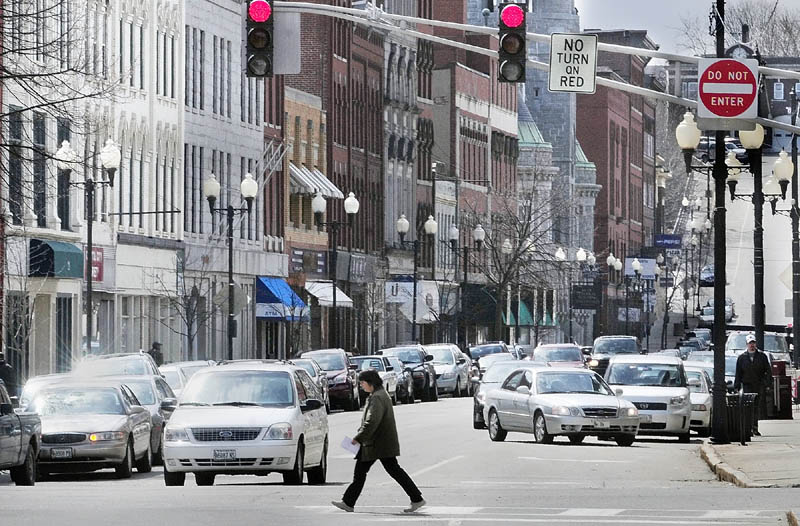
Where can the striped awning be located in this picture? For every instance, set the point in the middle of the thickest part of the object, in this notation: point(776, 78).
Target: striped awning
point(305, 181)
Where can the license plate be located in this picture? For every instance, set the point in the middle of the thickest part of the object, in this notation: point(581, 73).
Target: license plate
point(61, 452)
point(601, 424)
point(224, 454)
point(645, 419)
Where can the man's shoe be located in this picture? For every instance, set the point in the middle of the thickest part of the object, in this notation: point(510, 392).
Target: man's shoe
point(341, 505)
point(756, 433)
point(415, 506)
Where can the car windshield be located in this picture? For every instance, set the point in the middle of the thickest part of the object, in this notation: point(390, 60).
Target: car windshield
point(772, 342)
point(266, 388)
point(404, 354)
point(558, 354)
point(652, 374)
point(697, 375)
point(332, 361)
point(33, 386)
point(442, 355)
point(365, 364)
point(307, 366)
point(173, 378)
point(483, 350)
point(143, 391)
point(578, 382)
point(616, 346)
point(701, 356)
point(499, 371)
point(123, 366)
point(78, 401)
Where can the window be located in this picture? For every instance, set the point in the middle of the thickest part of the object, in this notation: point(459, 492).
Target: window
point(63, 134)
point(131, 52)
point(512, 382)
point(202, 75)
point(16, 158)
point(777, 91)
point(689, 90)
point(215, 75)
point(39, 170)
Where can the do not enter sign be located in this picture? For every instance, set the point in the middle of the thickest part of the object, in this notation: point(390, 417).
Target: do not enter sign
point(727, 89)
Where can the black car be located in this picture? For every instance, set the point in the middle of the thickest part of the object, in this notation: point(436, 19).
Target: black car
point(405, 382)
point(342, 377)
point(415, 357)
point(607, 346)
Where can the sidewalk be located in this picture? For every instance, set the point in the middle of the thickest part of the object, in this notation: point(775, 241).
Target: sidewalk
point(769, 461)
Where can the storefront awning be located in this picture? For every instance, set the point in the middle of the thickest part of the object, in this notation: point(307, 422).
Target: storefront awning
point(305, 181)
point(323, 291)
point(275, 300)
point(55, 259)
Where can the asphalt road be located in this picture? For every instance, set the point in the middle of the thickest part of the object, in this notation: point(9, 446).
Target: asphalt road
point(465, 478)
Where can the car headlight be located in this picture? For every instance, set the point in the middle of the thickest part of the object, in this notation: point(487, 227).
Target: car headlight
point(341, 379)
point(678, 400)
point(107, 435)
point(699, 407)
point(593, 363)
point(281, 431)
point(481, 397)
point(631, 411)
point(448, 376)
point(561, 410)
point(175, 434)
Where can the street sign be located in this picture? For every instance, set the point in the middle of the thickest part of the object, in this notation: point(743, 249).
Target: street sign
point(667, 282)
point(672, 253)
point(585, 296)
point(648, 267)
point(727, 89)
point(633, 314)
point(573, 63)
point(668, 240)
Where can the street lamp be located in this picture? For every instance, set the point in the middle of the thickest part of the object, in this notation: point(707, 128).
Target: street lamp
point(430, 228)
point(453, 235)
point(211, 191)
point(318, 207)
point(66, 160)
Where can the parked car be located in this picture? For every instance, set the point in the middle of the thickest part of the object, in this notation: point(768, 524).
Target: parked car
point(405, 382)
point(178, 373)
point(20, 439)
point(700, 387)
point(91, 425)
point(119, 364)
point(706, 317)
point(342, 377)
point(701, 356)
point(318, 375)
point(523, 350)
point(730, 310)
point(248, 418)
point(385, 371)
point(565, 401)
point(452, 369)
point(605, 347)
point(36, 384)
point(657, 386)
point(494, 376)
point(155, 395)
point(703, 334)
point(560, 355)
point(416, 358)
point(707, 276)
point(476, 352)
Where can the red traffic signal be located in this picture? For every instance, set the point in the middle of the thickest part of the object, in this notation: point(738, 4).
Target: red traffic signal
point(259, 41)
point(512, 15)
point(259, 10)
point(513, 51)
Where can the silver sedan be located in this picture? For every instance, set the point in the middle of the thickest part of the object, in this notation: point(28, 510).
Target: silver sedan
point(559, 401)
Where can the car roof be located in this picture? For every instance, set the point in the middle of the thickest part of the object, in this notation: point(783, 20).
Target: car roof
point(115, 355)
point(646, 358)
point(615, 337)
point(553, 345)
point(104, 381)
point(322, 351)
point(190, 363)
point(578, 370)
point(370, 356)
point(252, 365)
point(699, 365)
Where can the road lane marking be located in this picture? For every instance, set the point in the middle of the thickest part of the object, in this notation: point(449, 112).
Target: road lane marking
point(590, 512)
point(526, 483)
point(554, 520)
point(600, 461)
point(436, 466)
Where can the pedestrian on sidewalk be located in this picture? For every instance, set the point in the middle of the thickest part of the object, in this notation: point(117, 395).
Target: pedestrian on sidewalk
point(753, 373)
point(378, 440)
point(155, 352)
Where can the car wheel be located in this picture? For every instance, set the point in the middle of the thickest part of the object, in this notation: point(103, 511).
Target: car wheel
point(174, 479)
point(477, 421)
point(425, 395)
point(319, 474)
point(576, 439)
point(540, 433)
point(25, 475)
point(158, 457)
point(435, 391)
point(457, 393)
point(684, 438)
point(295, 476)
point(204, 479)
point(125, 469)
point(145, 464)
point(496, 431)
point(625, 440)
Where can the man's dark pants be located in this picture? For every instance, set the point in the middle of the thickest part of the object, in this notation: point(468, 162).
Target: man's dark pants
point(392, 468)
point(761, 402)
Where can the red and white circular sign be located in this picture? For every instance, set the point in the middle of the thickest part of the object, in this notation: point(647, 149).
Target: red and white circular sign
point(727, 88)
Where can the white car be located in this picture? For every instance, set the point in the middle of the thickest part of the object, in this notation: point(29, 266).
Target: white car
point(564, 401)
point(385, 371)
point(452, 369)
point(657, 386)
point(247, 418)
point(700, 393)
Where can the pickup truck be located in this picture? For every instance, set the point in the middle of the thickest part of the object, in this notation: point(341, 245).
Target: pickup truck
point(20, 436)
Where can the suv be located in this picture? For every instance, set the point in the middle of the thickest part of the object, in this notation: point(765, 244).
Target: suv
point(607, 346)
point(707, 152)
point(118, 364)
point(775, 345)
point(416, 358)
point(248, 418)
point(342, 377)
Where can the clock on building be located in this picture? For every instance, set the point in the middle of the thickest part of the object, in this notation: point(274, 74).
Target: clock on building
point(739, 51)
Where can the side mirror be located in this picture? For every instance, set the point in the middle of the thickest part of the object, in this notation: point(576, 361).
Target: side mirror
point(15, 401)
point(6, 409)
point(523, 389)
point(428, 357)
point(461, 361)
point(693, 382)
point(618, 392)
point(168, 404)
point(389, 368)
point(311, 404)
point(353, 367)
point(136, 409)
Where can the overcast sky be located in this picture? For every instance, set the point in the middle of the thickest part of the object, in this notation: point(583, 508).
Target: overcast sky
point(661, 18)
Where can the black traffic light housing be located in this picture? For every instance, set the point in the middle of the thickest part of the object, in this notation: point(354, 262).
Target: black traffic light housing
point(259, 38)
point(513, 50)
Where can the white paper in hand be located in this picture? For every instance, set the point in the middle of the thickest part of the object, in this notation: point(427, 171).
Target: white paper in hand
point(347, 444)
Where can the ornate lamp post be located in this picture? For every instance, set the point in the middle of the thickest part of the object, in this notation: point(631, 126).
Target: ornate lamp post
point(430, 228)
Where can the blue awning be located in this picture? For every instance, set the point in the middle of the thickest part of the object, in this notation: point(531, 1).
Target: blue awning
point(275, 300)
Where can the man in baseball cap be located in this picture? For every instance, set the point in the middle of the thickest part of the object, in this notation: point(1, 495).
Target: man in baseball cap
point(753, 373)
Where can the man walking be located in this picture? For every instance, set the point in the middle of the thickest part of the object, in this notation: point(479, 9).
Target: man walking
point(377, 437)
point(753, 373)
point(155, 352)
point(8, 376)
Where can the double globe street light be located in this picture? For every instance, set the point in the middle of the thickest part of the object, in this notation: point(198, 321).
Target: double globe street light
point(430, 228)
point(453, 237)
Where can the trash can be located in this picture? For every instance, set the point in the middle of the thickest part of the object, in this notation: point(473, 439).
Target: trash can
point(741, 413)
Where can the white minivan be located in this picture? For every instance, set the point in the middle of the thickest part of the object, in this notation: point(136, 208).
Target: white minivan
point(247, 418)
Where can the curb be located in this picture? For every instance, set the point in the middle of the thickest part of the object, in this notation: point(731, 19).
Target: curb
point(726, 473)
point(792, 518)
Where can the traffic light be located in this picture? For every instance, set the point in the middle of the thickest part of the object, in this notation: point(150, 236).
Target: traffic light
point(259, 39)
point(513, 49)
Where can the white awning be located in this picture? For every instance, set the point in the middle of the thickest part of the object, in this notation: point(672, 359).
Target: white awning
point(428, 299)
point(323, 291)
point(305, 181)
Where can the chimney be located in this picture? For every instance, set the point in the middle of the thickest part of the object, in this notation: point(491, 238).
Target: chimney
point(745, 33)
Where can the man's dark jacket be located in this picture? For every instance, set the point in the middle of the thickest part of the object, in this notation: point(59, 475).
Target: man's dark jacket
point(378, 432)
point(755, 373)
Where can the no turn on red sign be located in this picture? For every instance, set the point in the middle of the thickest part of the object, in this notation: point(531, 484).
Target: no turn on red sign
point(727, 89)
